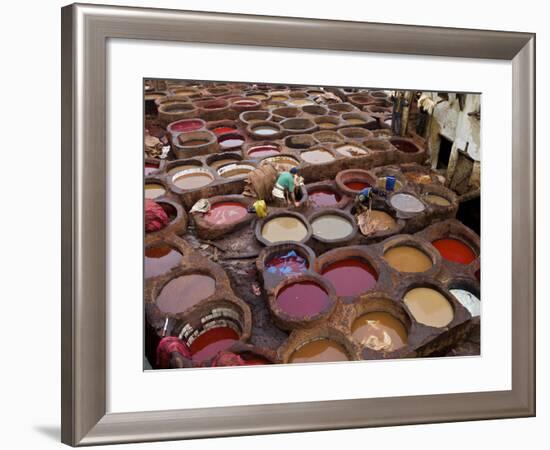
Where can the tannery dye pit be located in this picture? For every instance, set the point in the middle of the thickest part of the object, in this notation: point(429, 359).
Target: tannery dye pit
point(303, 224)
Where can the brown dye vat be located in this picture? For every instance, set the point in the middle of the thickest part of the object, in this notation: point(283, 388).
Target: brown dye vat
point(405, 145)
point(284, 228)
point(379, 331)
point(319, 350)
point(159, 259)
point(281, 162)
point(378, 145)
point(317, 156)
point(327, 122)
point(300, 102)
point(406, 258)
point(355, 133)
point(192, 179)
point(185, 291)
point(429, 307)
point(351, 150)
point(327, 137)
point(235, 170)
point(299, 141)
point(154, 190)
point(436, 200)
point(297, 125)
point(376, 221)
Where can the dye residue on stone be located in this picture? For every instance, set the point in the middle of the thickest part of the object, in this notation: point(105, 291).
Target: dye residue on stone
point(323, 197)
point(350, 276)
point(379, 331)
point(454, 250)
point(406, 258)
point(185, 291)
point(160, 258)
point(468, 300)
point(331, 227)
point(374, 221)
point(225, 213)
point(284, 228)
point(302, 299)
point(319, 350)
point(429, 307)
point(289, 263)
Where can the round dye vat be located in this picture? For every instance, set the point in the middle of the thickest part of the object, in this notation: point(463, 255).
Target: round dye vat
point(222, 130)
point(192, 179)
point(265, 131)
point(187, 125)
point(231, 141)
point(262, 151)
point(281, 162)
point(211, 342)
point(353, 121)
point(429, 307)
point(216, 164)
point(194, 143)
point(407, 203)
point(468, 300)
point(351, 150)
point(224, 213)
point(154, 190)
point(150, 168)
point(160, 259)
point(235, 170)
point(324, 197)
point(404, 146)
point(379, 331)
point(437, 200)
point(286, 264)
point(454, 250)
point(176, 169)
point(319, 350)
point(302, 299)
point(185, 291)
point(405, 258)
point(300, 102)
point(284, 228)
point(374, 221)
point(331, 227)
point(318, 156)
point(350, 276)
point(357, 185)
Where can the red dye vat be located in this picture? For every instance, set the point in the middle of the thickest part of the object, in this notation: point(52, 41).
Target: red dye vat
point(209, 343)
point(160, 259)
point(263, 151)
point(357, 185)
point(288, 264)
point(224, 213)
point(187, 125)
point(302, 299)
point(324, 197)
point(222, 130)
point(150, 168)
point(454, 250)
point(351, 276)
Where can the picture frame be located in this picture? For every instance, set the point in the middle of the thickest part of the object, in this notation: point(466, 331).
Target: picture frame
point(85, 31)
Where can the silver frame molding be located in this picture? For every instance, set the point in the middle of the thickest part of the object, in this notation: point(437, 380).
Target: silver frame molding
point(85, 30)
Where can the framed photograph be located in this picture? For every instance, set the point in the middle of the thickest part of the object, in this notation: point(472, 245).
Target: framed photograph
point(279, 225)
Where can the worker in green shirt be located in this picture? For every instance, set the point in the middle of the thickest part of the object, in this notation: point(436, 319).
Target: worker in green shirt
point(283, 191)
